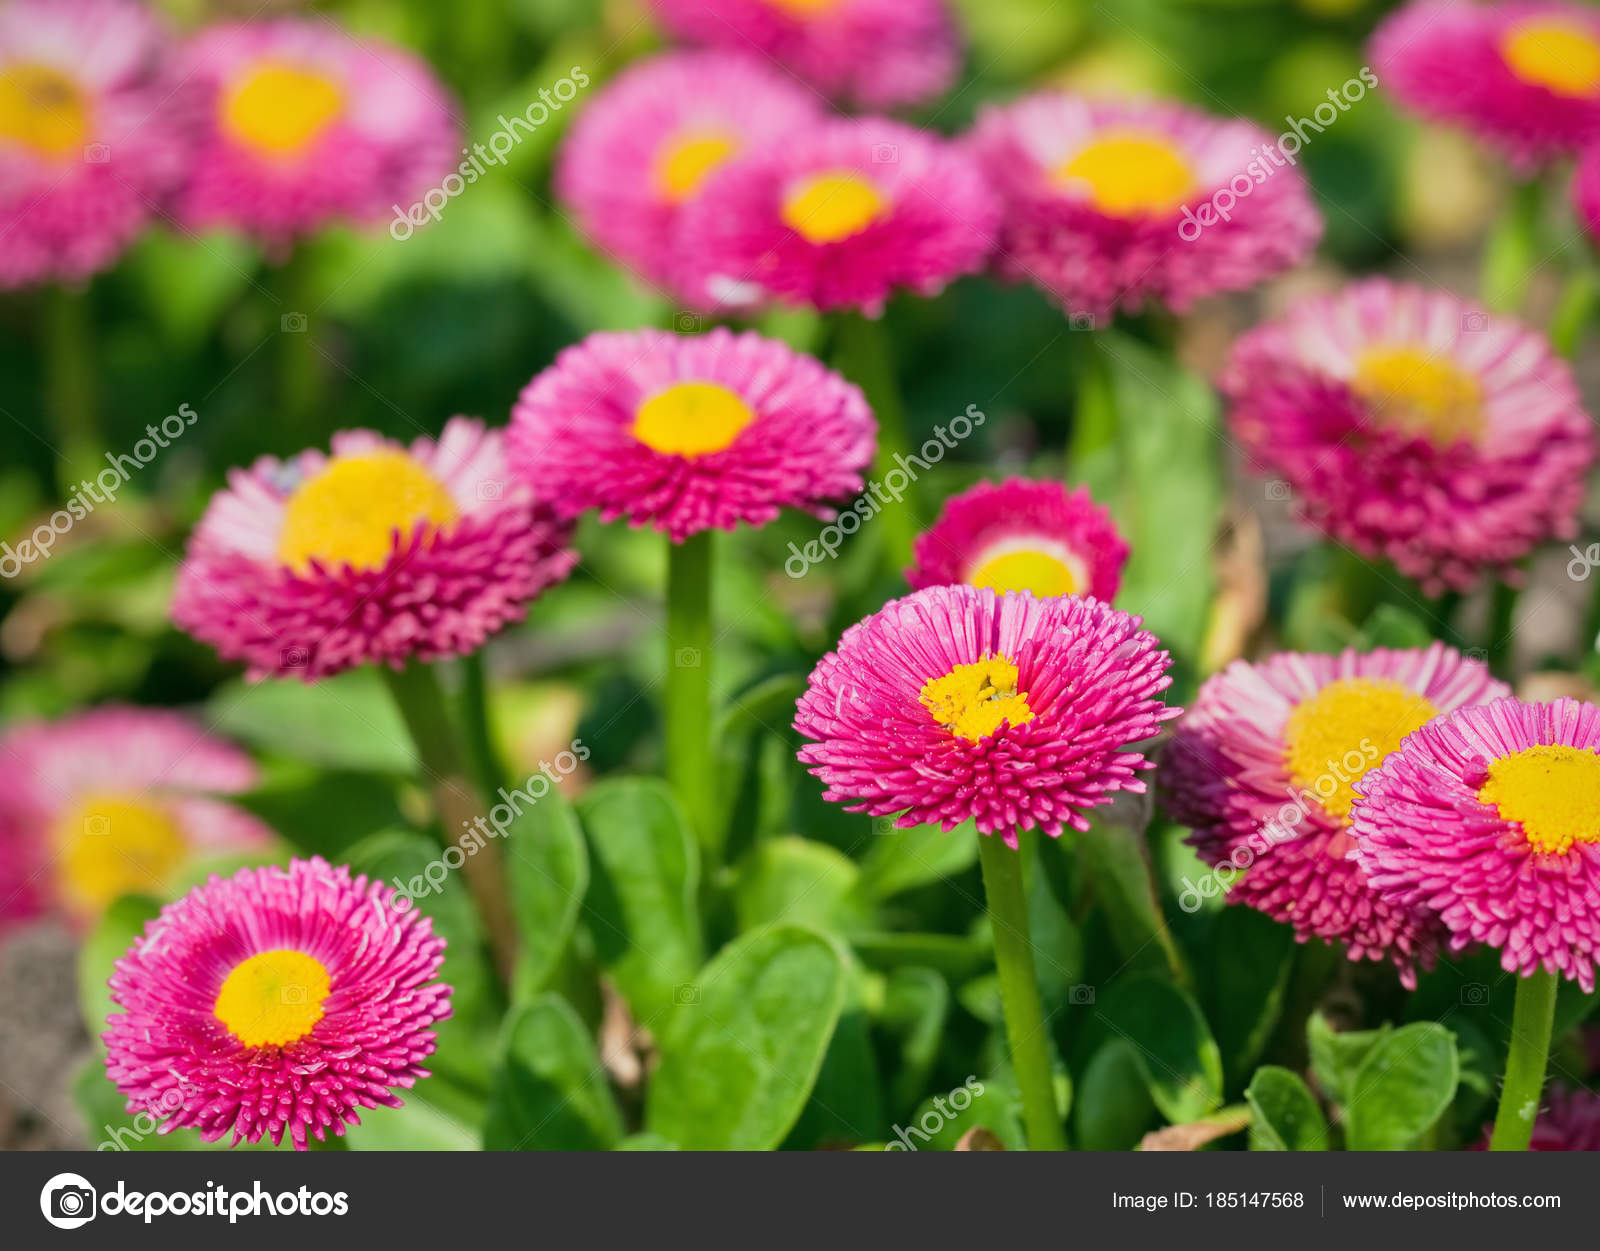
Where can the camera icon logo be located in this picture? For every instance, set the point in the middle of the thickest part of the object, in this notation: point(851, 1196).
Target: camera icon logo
point(1474, 322)
point(1474, 995)
point(1081, 321)
point(293, 323)
point(68, 1201)
point(293, 996)
point(688, 993)
point(687, 657)
point(1080, 995)
point(293, 658)
point(1277, 489)
point(491, 489)
point(97, 825)
point(686, 323)
point(96, 154)
point(885, 153)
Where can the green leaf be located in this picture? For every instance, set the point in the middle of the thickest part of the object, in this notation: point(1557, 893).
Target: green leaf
point(1391, 626)
point(642, 908)
point(846, 1104)
point(1113, 1108)
point(901, 860)
point(1171, 1044)
point(950, 954)
point(1402, 1087)
point(916, 1005)
point(940, 1120)
point(108, 942)
point(418, 1125)
point(1335, 1057)
point(550, 1093)
point(800, 881)
point(1284, 1114)
point(1119, 869)
point(738, 1065)
point(547, 868)
point(321, 812)
point(343, 722)
point(1248, 970)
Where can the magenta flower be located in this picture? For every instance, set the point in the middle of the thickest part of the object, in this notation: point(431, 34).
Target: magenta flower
point(956, 703)
point(376, 554)
point(1267, 763)
point(1490, 818)
point(1413, 426)
point(1524, 77)
point(875, 53)
point(1022, 535)
point(276, 1000)
point(1113, 205)
point(94, 131)
point(690, 433)
point(308, 125)
point(838, 216)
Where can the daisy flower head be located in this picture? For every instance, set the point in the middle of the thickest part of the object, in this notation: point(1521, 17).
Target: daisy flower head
point(376, 553)
point(877, 54)
point(92, 134)
point(1490, 818)
point(1022, 535)
point(1267, 764)
point(1115, 204)
point(277, 1000)
point(111, 802)
point(307, 125)
point(1524, 77)
point(690, 433)
point(1415, 427)
point(958, 703)
point(839, 216)
point(645, 146)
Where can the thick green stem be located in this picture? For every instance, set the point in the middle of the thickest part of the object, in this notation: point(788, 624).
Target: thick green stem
point(1094, 421)
point(301, 371)
point(862, 354)
point(460, 806)
point(1531, 1023)
point(1502, 619)
point(1019, 993)
point(1512, 252)
point(486, 763)
point(1575, 311)
point(70, 386)
point(688, 695)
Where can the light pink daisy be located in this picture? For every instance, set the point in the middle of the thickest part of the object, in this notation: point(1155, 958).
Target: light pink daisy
point(1413, 426)
point(1266, 764)
point(956, 703)
point(93, 133)
point(645, 146)
point(690, 433)
point(839, 216)
point(1490, 818)
point(376, 554)
point(875, 53)
point(1022, 535)
point(1586, 191)
point(308, 125)
point(1524, 77)
point(276, 1000)
point(1115, 204)
point(112, 802)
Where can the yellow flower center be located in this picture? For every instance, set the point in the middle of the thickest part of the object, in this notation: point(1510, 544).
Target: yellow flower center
point(1027, 570)
point(1130, 175)
point(273, 999)
point(1414, 391)
point(1552, 791)
point(1562, 57)
point(972, 700)
point(348, 513)
point(687, 163)
point(829, 207)
point(113, 845)
point(691, 419)
point(1346, 729)
point(280, 110)
point(41, 108)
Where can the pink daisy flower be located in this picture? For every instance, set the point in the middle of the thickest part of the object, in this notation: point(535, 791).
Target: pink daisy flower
point(112, 802)
point(1586, 191)
point(875, 53)
point(838, 217)
point(1022, 535)
point(1524, 77)
point(956, 703)
point(1114, 204)
point(1417, 427)
point(1265, 767)
point(375, 554)
point(277, 999)
point(646, 145)
point(91, 134)
point(690, 433)
point(1490, 817)
point(308, 125)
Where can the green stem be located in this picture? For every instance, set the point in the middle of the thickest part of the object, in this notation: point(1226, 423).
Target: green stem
point(1502, 619)
point(1512, 252)
point(70, 386)
point(1531, 1023)
point(486, 763)
point(300, 367)
point(1580, 301)
point(417, 694)
point(1019, 993)
point(1094, 422)
point(688, 691)
point(862, 354)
